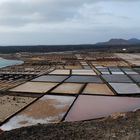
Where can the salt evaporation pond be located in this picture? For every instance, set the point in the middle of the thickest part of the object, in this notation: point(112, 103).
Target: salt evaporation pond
point(5, 62)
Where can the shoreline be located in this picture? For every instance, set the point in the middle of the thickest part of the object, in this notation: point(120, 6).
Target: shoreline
point(9, 62)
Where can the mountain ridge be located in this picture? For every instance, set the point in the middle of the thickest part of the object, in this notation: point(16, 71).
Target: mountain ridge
point(120, 41)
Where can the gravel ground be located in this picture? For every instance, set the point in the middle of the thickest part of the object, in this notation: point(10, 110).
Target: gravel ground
point(120, 126)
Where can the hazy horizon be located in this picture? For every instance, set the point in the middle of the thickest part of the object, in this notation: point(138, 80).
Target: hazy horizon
point(60, 22)
point(68, 43)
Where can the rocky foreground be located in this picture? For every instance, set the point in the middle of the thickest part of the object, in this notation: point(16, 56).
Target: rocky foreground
point(120, 126)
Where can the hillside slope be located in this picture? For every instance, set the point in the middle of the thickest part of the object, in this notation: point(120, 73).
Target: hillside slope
point(124, 126)
point(120, 41)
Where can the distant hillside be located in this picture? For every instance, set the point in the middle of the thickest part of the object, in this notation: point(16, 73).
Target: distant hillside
point(132, 41)
point(114, 45)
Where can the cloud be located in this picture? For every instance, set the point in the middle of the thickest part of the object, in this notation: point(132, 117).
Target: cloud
point(66, 20)
point(21, 12)
point(25, 11)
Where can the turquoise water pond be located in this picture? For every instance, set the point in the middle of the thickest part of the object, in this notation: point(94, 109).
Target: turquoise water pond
point(6, 62)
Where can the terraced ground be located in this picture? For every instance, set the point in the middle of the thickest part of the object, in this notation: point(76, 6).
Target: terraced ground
point(49, 104)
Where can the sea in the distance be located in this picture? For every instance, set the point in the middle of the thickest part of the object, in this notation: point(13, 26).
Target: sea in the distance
point(6, 62)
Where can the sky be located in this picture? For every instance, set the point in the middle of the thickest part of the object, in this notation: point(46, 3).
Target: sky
point(56, 22)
